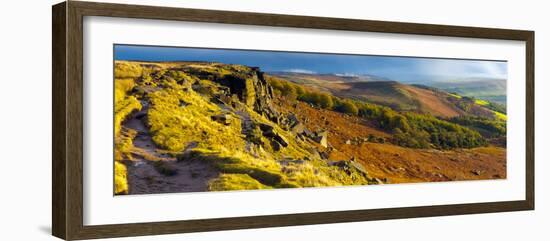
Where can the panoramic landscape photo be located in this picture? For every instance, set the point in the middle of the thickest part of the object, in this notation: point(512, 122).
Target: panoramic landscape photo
point(198, 119)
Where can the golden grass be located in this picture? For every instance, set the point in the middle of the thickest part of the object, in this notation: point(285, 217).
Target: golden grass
point(455, 95)
point(121, 182)
point(124, 145)
point(122, 86)
point(319, 174)
point(490, 150)
point(227, 182)
point(124, 104)
point(270, 173)
point(123, 109)
point(175, 126)
point(265, 170)
point(124, 69)
point(500, 116)
point(481, 102)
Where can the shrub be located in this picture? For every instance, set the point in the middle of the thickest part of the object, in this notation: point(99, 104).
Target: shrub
point(325, 101)
point(313, 98)
point(412, 138)
point(491, 128)
point(299, 90)
point(288, 89)
point(348, 107)
point(275, 83)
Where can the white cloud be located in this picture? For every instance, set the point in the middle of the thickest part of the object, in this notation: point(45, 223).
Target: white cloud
point(300, 71)
point(347, 75)
point(454, 68)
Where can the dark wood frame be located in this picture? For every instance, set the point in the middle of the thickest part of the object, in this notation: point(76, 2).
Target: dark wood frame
point(67, 123)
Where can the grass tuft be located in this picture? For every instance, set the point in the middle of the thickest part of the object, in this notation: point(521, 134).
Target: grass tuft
point(123, 109)
point(121, 181)
point(226, 182)
point(124, 144)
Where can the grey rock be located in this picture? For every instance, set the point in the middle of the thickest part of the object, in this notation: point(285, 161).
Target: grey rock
point(321, 138)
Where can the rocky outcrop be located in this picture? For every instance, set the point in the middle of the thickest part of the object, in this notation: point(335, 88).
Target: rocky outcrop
point(248, 84)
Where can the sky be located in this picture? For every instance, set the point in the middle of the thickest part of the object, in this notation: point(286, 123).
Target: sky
point(404, 69)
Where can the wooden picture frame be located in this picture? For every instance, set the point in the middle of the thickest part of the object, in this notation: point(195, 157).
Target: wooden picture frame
point(67, 123)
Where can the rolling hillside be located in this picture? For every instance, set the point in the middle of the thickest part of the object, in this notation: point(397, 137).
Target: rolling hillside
point(398, 96)
point(482, 88)
point(402, 97)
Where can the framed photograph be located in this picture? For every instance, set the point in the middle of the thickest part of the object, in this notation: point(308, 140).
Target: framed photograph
point(171, 120)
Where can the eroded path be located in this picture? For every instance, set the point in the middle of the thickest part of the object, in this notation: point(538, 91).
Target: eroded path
point(154, 170)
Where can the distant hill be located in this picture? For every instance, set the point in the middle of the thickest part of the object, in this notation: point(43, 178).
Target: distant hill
point(326, 81)
point(482, 88)
point(403, 97)
point(385, 92)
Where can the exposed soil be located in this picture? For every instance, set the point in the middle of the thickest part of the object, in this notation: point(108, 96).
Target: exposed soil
point(430, 102)
point(153, 170)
